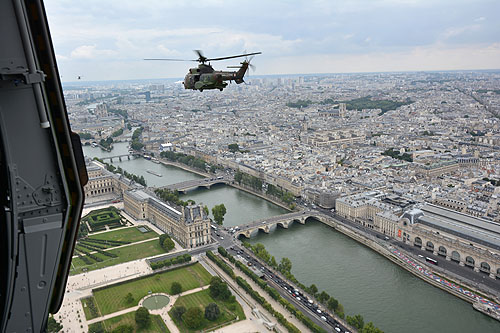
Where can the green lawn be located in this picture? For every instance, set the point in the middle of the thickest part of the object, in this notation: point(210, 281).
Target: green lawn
point(112, 299)
point(87, 304)
point(126, 253)
point(125, 234)
point(229, 311)
point(156, 325)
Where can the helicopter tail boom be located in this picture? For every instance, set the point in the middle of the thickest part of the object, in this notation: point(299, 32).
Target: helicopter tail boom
point(241, 72)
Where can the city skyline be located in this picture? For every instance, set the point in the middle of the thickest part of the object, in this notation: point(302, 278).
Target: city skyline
point(109, 40)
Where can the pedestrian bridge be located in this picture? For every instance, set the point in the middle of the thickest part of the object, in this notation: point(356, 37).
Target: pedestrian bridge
point(117, 157)
point(283, 221)
point(194, 184)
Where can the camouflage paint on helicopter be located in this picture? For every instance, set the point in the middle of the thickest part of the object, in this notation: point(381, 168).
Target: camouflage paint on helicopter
point(205, 77)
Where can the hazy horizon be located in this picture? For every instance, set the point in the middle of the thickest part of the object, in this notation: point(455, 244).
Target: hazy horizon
point(109, 40)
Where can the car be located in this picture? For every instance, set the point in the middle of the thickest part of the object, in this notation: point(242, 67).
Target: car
point(249, 264)
point(337, 329)
point(323, 318)
point(222, 238)
point(318, 311)
point(298, 298)
point(310, 301)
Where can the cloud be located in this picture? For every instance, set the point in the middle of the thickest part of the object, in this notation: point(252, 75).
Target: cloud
point(90, 52)
point(123, 32)
point(456, 31)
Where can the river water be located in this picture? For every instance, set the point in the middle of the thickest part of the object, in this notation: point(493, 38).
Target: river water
point(362, 280)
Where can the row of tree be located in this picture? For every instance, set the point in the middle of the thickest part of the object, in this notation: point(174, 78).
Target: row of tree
point(249, 180)
point(172, 261)
point(194, 162)
point(173, 197)
point(256, 184)
point(285, 267)
point(111, 168)
point(254, 294)
point(136, 139)
point(271, 291)
point(283, 195)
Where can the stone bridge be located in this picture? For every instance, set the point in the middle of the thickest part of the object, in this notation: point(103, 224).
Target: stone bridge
point(284, 221)
point(194, 184)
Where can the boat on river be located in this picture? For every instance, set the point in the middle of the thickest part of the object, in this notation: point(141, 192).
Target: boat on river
point(154, 173)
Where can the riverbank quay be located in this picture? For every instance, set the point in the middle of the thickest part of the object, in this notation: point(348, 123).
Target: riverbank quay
point(467, 293)
point(184, 167)
point(232, 183)
point(274, 278)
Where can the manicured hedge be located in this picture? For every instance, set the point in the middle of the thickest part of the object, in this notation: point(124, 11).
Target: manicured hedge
point(171, 261)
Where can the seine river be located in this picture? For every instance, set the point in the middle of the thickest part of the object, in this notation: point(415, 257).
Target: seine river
point(362, 280)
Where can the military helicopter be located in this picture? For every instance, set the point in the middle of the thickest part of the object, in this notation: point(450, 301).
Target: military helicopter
point(205, 77)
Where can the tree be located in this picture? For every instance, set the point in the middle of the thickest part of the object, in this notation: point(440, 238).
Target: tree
point(273, 262)
point(218, 289)
point(142, 317)
point(168, 244)
point(86, 136)
point(129, 299)
point(233, 147)
point(205, 210)
point(323, 297)
point(332, 304)
point(313, 290)
point(340, 311)
point(193, 317)
point(175, 288)
point(178, 311)
point(53, 326)
point(162, 238)
point(218, 212)
point(136, 145)
point(285, 265)
point(370, 328)
point(123, 329)
point(212, 311)
point(356, 321)
point(238, 176)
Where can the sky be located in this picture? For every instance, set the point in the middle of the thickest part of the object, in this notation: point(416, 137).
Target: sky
point(108, 39)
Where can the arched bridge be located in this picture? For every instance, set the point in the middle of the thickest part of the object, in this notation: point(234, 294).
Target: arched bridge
point(194, 184)
point(284, 221)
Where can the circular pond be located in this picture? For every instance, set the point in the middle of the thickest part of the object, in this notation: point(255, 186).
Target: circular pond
point(155, 302)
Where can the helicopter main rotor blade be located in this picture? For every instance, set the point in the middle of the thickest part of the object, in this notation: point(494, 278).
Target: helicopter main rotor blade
point(166, 59)
point(231, 57)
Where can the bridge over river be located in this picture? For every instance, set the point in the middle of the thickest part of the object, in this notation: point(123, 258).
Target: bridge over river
point(189, 185)
point(119, 157)
point(284, 221)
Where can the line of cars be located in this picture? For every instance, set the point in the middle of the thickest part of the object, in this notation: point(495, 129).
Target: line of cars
point(292, 292)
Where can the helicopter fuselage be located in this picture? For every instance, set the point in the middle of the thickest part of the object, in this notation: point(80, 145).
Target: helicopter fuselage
point(205, 77)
